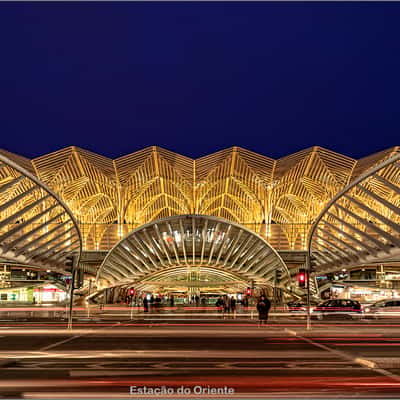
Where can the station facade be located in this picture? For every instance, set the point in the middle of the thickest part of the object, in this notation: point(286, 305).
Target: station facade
point(113, 199)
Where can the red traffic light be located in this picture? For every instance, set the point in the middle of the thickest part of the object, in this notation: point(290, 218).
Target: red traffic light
point(131, 291)
point(248, 291)
point(301, 277)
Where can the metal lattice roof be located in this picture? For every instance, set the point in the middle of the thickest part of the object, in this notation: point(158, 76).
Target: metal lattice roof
point(36, 227)
point(110, 197)
point(361, 224)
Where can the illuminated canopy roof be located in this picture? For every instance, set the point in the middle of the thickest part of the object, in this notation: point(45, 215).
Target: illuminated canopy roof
point(111, 197)
point(36, 227)
point(361, 224)
point(192, 241)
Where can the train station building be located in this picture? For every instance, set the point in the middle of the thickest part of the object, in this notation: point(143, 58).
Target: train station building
point(160, 222)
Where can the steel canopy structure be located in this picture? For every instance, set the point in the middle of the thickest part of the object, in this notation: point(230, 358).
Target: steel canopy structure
point(277, 198)
point(36, 227)
point(361, 224)
point(43, 202)
point(193, 243)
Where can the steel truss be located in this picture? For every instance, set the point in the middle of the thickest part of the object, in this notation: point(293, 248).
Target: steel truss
point(36, 227)
point(192, 241)
point(361, 224)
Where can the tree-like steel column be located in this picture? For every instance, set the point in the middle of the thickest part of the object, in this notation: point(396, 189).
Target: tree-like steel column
point(37, 229)
point(360, 225)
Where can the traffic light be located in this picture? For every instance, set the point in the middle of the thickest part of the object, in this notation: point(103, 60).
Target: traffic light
point(131, 291)
point(248, 291)
point(301, 277)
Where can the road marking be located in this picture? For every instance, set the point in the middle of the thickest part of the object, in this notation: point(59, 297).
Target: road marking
point(359, 360)
point(364, 361)
point(51, 346)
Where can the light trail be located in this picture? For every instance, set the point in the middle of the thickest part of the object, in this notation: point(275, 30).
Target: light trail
point(255, 382)
point(366, 344)
point(158, 354)
point(281, 394)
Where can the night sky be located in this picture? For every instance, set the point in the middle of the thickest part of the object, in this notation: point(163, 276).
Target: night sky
point(195, 78)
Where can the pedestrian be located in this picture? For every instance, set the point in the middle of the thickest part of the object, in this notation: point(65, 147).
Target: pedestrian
point(219, 303)
point(145, 304)
point(233, 306)
point(263, 307)
point(226, 304)
point(172, 300)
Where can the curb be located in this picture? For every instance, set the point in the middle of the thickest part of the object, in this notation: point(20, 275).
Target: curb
point(358, 360)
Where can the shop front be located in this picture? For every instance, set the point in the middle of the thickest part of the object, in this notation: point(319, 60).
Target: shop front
point(362, 294)
point(41, 295)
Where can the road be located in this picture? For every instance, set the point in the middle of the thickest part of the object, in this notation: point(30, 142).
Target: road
point(201, 355)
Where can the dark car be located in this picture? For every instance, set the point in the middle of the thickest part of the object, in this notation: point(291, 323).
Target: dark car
point(338, 308)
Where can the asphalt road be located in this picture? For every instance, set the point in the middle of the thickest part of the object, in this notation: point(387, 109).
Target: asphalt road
point(104, 359)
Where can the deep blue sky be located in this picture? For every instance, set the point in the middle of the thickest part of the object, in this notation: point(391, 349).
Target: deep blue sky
point(198, 77)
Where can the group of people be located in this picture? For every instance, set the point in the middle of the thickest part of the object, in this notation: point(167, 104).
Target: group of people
point(197, 300)
point(226, 304)
point(156, 301)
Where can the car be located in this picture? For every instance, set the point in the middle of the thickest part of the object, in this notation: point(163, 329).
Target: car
point(384, 308)
point(338, 308)
point(299, 306)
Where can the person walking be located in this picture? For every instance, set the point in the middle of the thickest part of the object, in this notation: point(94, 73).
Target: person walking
point(263, 307)
point(226, 305)
point(145, 304)
point(219, 303)
point(233, 306)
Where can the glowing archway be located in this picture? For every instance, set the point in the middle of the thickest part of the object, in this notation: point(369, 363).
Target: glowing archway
point(192, 241)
